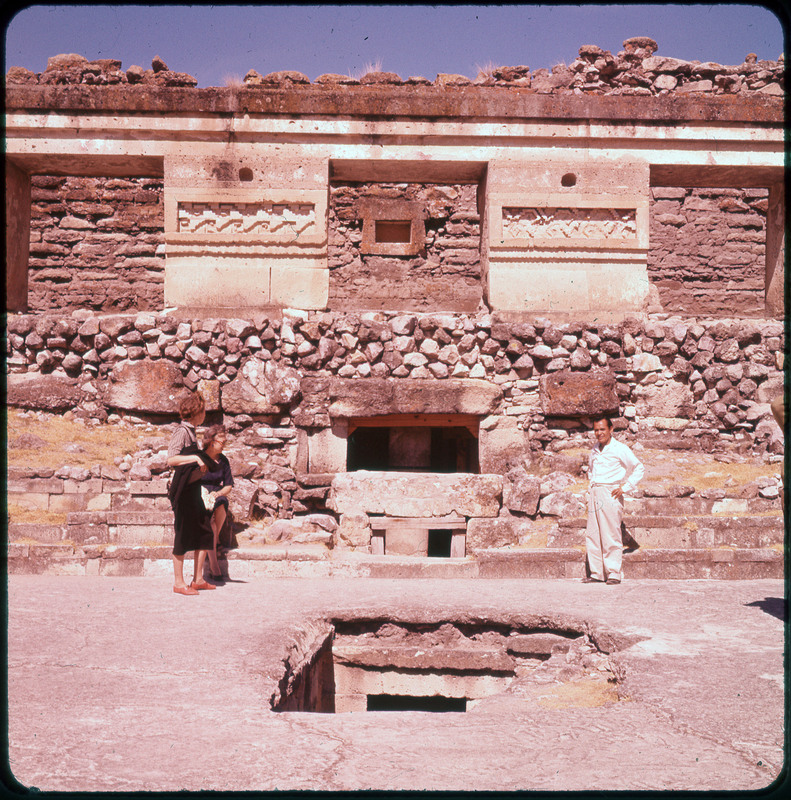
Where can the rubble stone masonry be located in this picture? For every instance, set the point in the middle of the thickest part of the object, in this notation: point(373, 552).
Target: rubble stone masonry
point(96, 243)
point(686, 378)
point(444, 273)
point(707, 250)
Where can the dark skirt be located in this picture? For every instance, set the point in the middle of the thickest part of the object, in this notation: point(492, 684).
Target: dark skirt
point(222, 500)
point(193, 528)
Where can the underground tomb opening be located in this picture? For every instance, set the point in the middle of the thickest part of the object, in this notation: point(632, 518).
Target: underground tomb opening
point(439, 666)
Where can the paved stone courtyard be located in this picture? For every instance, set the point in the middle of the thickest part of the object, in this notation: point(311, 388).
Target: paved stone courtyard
point(116, 684)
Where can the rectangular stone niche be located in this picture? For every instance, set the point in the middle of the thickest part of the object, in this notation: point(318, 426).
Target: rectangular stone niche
point(379, 665)
point(413, 536)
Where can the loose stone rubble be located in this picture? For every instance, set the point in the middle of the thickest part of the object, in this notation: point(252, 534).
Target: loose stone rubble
point(635, 70)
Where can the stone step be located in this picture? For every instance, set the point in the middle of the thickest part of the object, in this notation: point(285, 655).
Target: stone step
point(659, 563)
point(312, 561)
point(703, 531)
point(698, 505)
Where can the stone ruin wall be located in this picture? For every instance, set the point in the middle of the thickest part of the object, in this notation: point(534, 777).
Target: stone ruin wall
point(707, 250)
point(677, 383)
point(98, 243)
point(444, 273)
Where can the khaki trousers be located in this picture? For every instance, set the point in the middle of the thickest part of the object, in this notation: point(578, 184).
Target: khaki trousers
point(603, 535)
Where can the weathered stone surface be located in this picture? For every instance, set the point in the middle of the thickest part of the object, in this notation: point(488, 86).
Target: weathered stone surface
point(260, 387)
point(670, 399)
point(562, 504)
point(374, 397)
point(534, 644)
point(152, 386)
point(44, 392)
point(521, 492)
point(492, 532)
point(501, 444)
point(417, 495)
point(354, 530)
point(578, 394)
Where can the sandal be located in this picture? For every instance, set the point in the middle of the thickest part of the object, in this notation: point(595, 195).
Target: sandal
point(201, 585)
point(187, 590)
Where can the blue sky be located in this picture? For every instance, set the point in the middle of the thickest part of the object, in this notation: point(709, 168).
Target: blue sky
point(215, 43)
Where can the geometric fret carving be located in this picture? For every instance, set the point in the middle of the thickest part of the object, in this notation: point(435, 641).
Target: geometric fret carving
point(252, 218)
point(569, 223)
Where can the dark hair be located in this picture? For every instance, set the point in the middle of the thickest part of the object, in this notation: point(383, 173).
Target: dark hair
point(604, 417)
point(210, 434)
point(191, 404)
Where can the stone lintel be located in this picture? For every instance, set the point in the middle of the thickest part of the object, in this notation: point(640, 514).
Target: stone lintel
point(394, 101)
point(349, 397)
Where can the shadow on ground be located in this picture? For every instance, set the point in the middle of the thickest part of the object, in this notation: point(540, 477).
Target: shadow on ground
point(776, 606)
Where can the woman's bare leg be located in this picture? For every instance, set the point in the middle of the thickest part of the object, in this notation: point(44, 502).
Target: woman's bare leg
point(214, 564)
point(178, 571)
point(200, 558)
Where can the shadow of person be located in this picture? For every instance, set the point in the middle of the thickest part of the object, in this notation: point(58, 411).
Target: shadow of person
point(776, 606)
point(630, 544)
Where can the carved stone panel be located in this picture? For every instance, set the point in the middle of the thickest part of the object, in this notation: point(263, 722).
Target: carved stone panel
point(569, 223)
point(250, 218)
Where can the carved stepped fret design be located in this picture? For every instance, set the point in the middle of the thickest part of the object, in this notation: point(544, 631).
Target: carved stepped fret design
point(569, 223)
point(250, 218)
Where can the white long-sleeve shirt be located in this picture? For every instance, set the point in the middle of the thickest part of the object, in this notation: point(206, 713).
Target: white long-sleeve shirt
point(615, 463)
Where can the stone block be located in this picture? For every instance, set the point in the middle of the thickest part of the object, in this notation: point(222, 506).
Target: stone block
point(354, 529)
point(33, 530)
point(151, 386)
point(327, 448)
point(146, 517)
point(121, 567)
point(538, 644)
point(139, 534)
point(35, 485)
point(578, 394)
point(501, 444)
point(91, 486)
point(378, 396)
point(68, 502)
point(493, 532)
point(300, 286)
point(562, 504)
point(671, 399)
point(192, 281)
point(98, 502)
point(31, 501)
point(153, 487)
point(260, 387)
point(417, 494)
point(82, 533)
point(521, 492)
point(42, 392)
point(406, 541)
point(770, 389)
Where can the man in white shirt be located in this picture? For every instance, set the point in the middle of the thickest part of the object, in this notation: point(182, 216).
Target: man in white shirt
point(613, 469)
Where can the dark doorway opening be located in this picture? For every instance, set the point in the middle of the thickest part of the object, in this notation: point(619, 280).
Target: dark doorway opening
point(439, 543)
point(396, 702)
point(417, 448)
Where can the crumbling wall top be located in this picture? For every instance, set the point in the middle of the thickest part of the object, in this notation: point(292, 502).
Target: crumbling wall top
point(636, 76)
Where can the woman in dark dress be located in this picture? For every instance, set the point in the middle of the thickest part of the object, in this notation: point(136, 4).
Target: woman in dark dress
point(218, 484)
point(193, 529)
